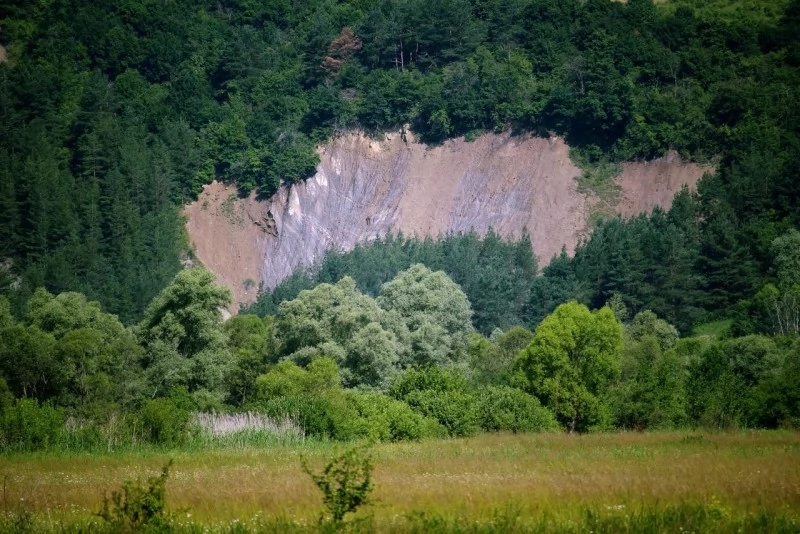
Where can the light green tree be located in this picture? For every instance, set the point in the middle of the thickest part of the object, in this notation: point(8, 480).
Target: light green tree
point(647, 323)
point(571, 362)
point(436, 312)
point(183, 336)
point(781, 301)
point(340, 322)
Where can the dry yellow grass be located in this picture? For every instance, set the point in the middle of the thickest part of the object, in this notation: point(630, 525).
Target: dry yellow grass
point(559, 474)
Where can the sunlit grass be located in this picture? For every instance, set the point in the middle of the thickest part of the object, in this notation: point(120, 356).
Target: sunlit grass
point(555, 476)
point(715, 329)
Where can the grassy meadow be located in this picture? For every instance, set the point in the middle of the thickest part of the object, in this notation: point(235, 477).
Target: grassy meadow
point(552, 482)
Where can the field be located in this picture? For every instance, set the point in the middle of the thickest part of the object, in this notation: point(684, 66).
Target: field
point(612, 482)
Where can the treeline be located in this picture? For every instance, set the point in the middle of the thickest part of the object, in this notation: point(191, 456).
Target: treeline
point(496, 274)
point(114, 113)
point(335, 363)
point(690, 265)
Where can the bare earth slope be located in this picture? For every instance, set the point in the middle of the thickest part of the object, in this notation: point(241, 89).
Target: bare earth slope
point(364, 188)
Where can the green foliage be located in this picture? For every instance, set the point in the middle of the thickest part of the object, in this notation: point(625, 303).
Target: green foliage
point(183, 337)
point(28, 426)
point(28, 363)
point(495, 274)
point(647, 323)
point(491, 360)
point(441, 394)
point(164, 422)
point(382, 418)
point(345, 483)
point(571, 362)
point(502, 408)
point(727, 379)
point(139, 508)
point(251, 342)
point(651, 393)
point(114, 115)
point(314, 398)
point(775, 401)
point(435, 311)
point(339, 322)
point(287, 379)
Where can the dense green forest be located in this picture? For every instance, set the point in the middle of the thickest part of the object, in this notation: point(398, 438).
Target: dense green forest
point(113, 114)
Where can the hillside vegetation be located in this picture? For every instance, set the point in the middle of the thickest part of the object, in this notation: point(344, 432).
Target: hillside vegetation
point(113, 114)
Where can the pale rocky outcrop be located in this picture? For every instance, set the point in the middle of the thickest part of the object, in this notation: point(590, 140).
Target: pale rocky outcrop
point(364, 188)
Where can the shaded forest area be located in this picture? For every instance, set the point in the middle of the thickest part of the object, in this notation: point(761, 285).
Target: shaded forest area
point(113, 114)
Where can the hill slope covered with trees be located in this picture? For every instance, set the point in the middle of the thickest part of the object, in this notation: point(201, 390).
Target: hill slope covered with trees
point(113, 114)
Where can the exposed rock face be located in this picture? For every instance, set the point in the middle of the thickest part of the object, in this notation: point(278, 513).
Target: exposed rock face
point(364, 188)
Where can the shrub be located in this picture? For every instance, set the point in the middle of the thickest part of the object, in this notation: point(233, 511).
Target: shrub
point(327, 415)
point(456, 411)
point(441, 394)
point(509, 409)
point(137, 508)
point(345, 483)
point(164, 423)
point(385, 419)
point(28, 426)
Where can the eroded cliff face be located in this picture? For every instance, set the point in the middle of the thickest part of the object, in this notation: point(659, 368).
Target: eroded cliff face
point(364, 188)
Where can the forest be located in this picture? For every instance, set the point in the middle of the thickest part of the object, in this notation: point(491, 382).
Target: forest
point(114, 114)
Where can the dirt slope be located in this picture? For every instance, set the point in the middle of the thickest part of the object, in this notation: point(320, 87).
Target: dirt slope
point(364, 188)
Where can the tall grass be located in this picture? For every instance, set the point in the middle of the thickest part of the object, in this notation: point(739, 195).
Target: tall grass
point(628, 482)
point(243, 430)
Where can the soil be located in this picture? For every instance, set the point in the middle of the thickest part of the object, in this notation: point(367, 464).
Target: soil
point(364, 188)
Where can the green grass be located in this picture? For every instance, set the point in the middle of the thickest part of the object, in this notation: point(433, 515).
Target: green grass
point(714, 329)
point(625, 482)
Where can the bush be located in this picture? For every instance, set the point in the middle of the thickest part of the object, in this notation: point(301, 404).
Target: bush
point(345, 482)
point(28, 426)
point(441, 394)
point(137, 508)
point(164, 422)
point(503, 408)
point(456, 411)
point(385, 419)
point(327, 415)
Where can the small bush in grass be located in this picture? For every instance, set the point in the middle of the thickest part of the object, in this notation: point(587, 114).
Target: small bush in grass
point(138, 508)
point(28, 426)
point(345, 483)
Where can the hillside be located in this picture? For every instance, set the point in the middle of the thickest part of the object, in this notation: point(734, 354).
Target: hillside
point(364, 188)
point(276, 131)
point(116, 115)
